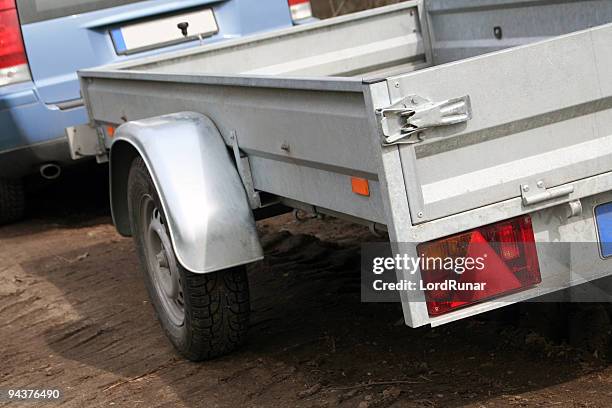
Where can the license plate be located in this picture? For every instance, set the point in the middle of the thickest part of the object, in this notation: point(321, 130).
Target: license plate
point(164, 31)
point(603, 218)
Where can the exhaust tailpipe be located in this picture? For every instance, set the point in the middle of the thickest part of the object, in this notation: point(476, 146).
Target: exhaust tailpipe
point(50, 171)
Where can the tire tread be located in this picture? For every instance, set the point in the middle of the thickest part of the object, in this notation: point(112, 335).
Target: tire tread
point(217, 306)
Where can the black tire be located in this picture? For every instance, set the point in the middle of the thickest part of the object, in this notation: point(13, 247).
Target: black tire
point(12, 200)
point(216, 305)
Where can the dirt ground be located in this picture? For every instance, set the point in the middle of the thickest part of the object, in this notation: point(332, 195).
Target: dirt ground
point(74, 315)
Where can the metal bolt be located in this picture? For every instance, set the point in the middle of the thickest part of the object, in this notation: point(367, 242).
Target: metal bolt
point(525, 188)
point(420, 214)
point(397, 85)
point(540, 184)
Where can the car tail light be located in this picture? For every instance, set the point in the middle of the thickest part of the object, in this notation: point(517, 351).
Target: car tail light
point(502, 259)
point(300, 9)
point(13, 60)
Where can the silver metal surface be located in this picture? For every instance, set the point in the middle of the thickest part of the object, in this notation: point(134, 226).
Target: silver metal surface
point(84, 141)
point(395, 205)
point(360, 44)
point(574, 208)
point(208, 214)
point(463, 29)
point(405, 120)
point(541, 112)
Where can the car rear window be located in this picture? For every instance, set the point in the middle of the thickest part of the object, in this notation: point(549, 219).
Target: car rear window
point(31, 11)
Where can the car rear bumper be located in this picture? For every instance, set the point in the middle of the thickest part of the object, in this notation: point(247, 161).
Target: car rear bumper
point(27, 160)
point(33, 133)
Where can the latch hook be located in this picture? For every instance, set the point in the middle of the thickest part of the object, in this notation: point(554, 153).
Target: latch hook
point(403, 121)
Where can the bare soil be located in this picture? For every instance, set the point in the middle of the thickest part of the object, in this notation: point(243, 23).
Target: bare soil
point(74, 315)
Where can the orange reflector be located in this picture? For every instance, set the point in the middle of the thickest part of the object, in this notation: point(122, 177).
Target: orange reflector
point(110, 131)
point(360, 186)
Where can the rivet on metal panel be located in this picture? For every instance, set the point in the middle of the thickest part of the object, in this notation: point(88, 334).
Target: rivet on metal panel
point(540, 184)
point(525, 188)
point(285, 146)
point(420, 214)
point(397, 85)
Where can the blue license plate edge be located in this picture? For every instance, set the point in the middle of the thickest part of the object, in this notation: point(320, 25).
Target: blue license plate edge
point(603, 219)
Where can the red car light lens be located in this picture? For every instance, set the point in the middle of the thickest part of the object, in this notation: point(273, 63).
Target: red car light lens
point(13, 60)
point(300, 9)
point(484, 263)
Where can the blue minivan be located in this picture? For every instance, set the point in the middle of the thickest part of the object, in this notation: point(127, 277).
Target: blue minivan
point(44, 42)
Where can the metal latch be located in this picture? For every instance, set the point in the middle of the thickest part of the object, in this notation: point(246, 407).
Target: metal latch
point(404, 121)
point(534, 194)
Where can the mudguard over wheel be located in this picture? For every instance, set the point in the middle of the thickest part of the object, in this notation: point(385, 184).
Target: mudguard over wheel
point(203, 315)
point(12, 200)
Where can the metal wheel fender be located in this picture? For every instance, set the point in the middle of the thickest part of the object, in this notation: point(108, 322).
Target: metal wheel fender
point(208, 214)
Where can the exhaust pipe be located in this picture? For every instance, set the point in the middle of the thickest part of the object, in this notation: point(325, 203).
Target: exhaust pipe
point(50, 171)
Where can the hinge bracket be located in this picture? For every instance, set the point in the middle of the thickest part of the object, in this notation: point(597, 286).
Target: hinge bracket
point(404, 121)
point(537, 192)
point(244, 170)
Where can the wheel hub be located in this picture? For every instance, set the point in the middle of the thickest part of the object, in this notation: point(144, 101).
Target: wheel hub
point(163, 267)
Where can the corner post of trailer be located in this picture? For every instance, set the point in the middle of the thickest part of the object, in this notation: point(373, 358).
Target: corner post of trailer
point(395, 199)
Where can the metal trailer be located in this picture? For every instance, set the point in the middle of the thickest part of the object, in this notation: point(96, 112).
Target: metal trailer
point(454, 115)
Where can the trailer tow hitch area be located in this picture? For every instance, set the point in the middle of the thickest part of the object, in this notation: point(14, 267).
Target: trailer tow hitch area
point(404, 121)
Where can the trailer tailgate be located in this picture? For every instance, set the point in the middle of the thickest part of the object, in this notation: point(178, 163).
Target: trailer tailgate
point(541, 119)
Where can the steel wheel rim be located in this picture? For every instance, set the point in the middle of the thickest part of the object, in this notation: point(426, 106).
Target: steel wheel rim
point(162, 265)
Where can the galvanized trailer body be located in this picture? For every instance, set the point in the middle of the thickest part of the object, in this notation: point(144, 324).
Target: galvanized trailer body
point(506, 109)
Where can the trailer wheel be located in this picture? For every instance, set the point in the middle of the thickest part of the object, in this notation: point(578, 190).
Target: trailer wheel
point(203, 315)
point(12, 200)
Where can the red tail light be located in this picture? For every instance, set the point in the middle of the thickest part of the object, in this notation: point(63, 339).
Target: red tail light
point(300, 9)
point(502, 256)
point(13, 60)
